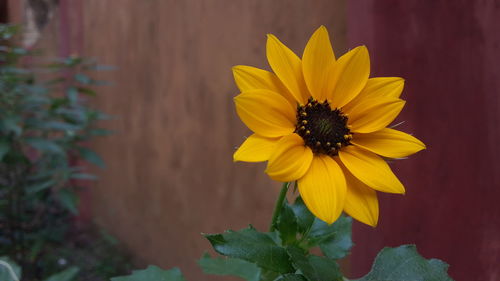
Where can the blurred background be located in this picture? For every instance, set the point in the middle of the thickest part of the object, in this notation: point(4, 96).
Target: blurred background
point(169, 173)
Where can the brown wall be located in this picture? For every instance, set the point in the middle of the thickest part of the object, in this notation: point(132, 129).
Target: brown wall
point(448, 51)
point(170, 174)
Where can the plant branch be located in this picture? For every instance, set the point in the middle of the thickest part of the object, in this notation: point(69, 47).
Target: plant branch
point(278, 206)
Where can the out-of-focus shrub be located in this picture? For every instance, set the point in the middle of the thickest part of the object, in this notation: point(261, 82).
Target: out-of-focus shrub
point(45, 122)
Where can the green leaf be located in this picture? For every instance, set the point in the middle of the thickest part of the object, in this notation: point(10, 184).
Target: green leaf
point(4, 148)
point(72, 94)
point(404, 263)
point(229, 266)
point(34, 188)
point(59, 126)
point(82, 176)
point(7, 268)
point(252, 246)
point(287, 225)
point(91, 157)
point(291, 277)
point(152, 273)
point(44, 145)
point(72, 61)
point(334, 240)
point(86, 91)
point(69, 200)
point(304, 217)
point(82, 78)
point(314, 268)
point(66, 275)
point(11, 124)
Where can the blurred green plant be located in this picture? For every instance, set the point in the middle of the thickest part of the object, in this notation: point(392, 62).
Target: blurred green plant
point(45, 122)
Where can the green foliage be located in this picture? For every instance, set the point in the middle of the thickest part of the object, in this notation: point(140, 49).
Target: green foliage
point(45, 120)
point(404, 263)
point(304, 217)
point(287, 225)
point(153, 273)
point(314, 268)
point(9, 270)
point(66, 275)
point(284, 254)
point(253, 246)
point(291, 277)
point(334, 241)
point(230, 266)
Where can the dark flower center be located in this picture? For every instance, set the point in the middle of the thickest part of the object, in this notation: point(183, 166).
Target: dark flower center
point(323, 129)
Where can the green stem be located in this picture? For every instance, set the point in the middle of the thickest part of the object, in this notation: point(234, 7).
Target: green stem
point(278, 206)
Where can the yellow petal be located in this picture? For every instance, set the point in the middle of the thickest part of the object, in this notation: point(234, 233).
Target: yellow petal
point(361, 201)
point(255, 149)
point(374, 114)
point(266, 113)
point(389, 143)
point(251, 78)
point(350, 74)
point(317, 61)
point(290, 159)
point(287, 67)
point(370, 169)
point(379, 87)
point(323, 188)
point(384, 87)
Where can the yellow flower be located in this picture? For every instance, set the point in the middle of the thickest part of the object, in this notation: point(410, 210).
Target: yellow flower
point(323, 123)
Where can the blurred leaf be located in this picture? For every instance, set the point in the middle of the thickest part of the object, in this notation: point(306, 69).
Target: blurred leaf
point(7, 267)
point(83, 176)
point(8, 30)
point(91, 157)
point(152, 273)
point(86, 91)
point(58, 125)
point(229, 266)
point(11, 124)
point(334, 240)
point(108, 237)
point(82, 78)
point(15, 70)
point(34, 188)
point(287, 225)
point(69, 200)
point(4, 148)
point(291, 277)
point(19, 51)
point(72, 94)
point(404, 263)
point(304, 217)
point(44, 145)
point(72, 61)
point(314, 268)
point(68, 274)
point(252, 246)
point(36, 248)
